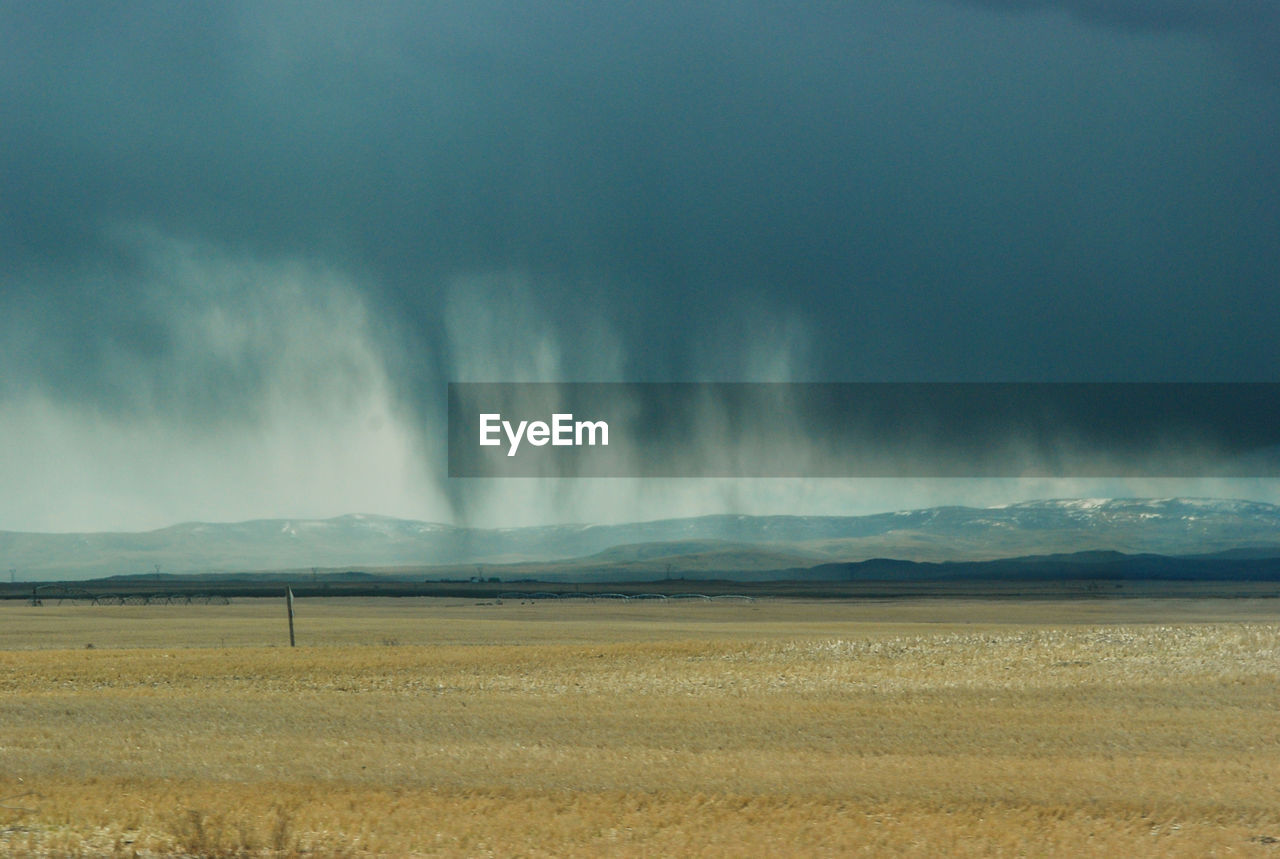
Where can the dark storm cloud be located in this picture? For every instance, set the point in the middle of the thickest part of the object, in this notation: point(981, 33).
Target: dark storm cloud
point(665, 157)
point(650, 150)
point(512, 191)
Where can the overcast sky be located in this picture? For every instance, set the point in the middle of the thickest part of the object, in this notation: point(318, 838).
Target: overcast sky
point(243, 246)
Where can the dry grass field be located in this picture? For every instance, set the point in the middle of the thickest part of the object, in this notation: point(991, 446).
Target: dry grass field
point(443, 727)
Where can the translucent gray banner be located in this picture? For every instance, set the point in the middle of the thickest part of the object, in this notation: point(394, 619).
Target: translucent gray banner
point(864, 430)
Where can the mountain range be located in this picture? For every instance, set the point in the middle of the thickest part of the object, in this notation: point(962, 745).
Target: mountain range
point(700, 545)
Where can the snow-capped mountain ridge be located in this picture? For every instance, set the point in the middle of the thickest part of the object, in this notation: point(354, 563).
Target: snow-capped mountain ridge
point(1172, 526)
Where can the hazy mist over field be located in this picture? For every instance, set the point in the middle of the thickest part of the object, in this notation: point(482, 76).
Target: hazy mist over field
point(244, 246)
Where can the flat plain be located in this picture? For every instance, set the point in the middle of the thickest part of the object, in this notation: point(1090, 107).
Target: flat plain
point(643, 728)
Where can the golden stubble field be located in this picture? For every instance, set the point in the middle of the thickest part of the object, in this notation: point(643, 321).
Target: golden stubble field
point(446, 727)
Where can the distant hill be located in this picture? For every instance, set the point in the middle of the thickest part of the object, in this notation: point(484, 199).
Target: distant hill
point(1096, 566)
point(720, 543)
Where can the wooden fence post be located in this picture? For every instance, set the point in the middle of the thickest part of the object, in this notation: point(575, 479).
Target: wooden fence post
point(288, 599)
